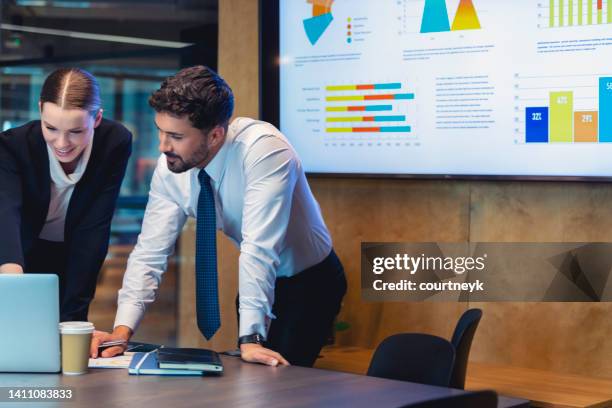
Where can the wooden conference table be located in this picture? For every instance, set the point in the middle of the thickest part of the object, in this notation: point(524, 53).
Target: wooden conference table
point(242, 385)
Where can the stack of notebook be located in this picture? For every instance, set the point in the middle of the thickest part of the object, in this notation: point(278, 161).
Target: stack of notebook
point(176, 361)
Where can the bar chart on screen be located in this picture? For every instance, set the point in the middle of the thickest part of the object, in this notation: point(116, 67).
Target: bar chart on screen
point(573, 13)
point(369, 112)
point(359, 113)
point(563, 109)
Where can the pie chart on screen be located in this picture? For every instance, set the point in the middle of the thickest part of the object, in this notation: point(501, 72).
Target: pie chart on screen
point(321, 18)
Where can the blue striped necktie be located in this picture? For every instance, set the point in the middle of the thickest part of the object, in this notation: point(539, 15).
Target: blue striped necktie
point(207, 296)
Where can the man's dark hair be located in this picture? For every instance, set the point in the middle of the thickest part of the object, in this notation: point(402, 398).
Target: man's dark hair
point(198, 92)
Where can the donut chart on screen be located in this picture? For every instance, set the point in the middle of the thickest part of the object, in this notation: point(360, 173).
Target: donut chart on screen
point(320, 20)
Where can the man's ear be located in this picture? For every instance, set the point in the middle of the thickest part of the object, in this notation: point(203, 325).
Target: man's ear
point(217, 136)
point(98, 118)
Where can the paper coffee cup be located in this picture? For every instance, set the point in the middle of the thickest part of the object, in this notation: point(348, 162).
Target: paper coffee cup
point(76, 341)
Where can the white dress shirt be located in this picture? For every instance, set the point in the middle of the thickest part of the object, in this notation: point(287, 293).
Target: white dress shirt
point(263, 204)
point(62, 187)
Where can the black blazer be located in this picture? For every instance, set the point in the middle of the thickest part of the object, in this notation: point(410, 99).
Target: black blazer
point(25, 190)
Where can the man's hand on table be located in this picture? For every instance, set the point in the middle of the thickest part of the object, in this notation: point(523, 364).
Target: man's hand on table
point(99, 337)
point(256, 353)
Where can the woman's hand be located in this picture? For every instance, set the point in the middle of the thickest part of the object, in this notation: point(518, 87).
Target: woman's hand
point(11, 268)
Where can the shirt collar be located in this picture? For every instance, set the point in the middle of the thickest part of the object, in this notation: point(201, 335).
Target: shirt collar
point(59, 177)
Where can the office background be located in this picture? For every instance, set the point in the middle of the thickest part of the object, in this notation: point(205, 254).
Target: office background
point(553, 336)
point(562, 337)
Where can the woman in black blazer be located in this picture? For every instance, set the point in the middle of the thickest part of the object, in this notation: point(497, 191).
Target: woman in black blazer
point(59, 181)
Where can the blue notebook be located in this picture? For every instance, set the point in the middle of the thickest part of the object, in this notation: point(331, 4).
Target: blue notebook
point(146, 364)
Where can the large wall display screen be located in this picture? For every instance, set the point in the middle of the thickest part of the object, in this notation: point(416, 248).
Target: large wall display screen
point(448, 87)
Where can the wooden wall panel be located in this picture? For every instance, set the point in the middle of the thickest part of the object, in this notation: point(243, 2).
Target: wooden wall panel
point(239, 53)
point(390, 210)
point(563, 337)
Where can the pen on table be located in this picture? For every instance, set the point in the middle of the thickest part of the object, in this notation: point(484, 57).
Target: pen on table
point(112, 343)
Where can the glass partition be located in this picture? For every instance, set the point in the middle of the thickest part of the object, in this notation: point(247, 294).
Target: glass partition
point(125, 89)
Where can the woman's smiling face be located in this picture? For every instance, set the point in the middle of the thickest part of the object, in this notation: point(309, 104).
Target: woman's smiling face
point(67, 131)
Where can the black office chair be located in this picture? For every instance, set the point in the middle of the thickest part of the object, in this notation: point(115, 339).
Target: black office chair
point(477, 399)
point(462, 341)
point(414, 357)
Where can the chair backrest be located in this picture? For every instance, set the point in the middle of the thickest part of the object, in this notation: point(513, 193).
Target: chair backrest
point(414, 357)
point(477, 399)
point(462, 341)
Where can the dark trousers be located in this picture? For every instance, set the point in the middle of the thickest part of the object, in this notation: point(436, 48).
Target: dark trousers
point(305, 306)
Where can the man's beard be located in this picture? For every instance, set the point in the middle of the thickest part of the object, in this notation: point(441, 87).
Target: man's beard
point(181, 165)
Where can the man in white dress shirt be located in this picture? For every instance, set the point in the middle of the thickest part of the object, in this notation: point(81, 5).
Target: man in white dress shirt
point(244, 178)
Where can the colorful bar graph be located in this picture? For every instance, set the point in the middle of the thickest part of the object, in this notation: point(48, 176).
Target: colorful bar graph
point(605, 109)
point(559, 122)
point(397, 118)
point(364, 87)
point(363, 108)
point(377, 97)
point(536, 120)
point(386, 129)
point(391, 123)
point(585, 126)
point(572, 13)
point(561, 116)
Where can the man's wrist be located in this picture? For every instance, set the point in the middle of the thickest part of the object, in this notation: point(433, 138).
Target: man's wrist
point(254, 338)
point(123, 332)
point(249, 346)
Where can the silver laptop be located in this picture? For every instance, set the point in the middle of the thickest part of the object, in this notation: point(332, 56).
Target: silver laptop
point(29, 323)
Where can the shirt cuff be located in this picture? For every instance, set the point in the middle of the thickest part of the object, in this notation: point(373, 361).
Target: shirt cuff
point(129, 315)
point(253, 321)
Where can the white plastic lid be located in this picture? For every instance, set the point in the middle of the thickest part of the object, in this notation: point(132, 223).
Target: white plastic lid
point(76, 327)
